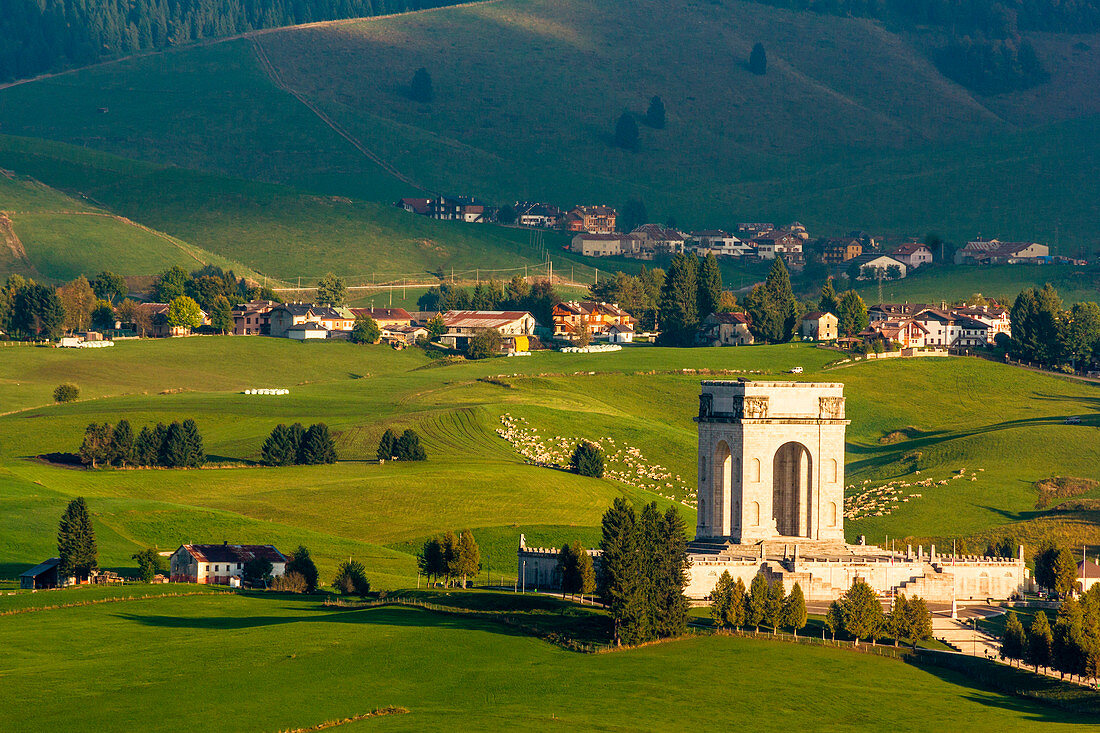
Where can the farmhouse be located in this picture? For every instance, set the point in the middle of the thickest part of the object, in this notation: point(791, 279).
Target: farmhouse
point(620, 333)
point(1088, 575)
point(515, 326)
point(995, 252)
point(403, 335)
point(220, 564)
point(598, 316)
point(283, 317)
point(592, 219)
point(718, 243)
point(905, 331)
point(779, 242)
point(605, 245)
point(876, 266)
point(531, 214)
point(771, 501)
point(948, 329)
point(726, 329)
point(820, 326)
point(384, 317)
point(654, 239)
point(253, 318)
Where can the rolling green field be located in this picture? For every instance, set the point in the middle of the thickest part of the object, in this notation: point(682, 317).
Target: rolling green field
point(851, 128)
point(1002, 282)
point(329, 664)
point(952, 414)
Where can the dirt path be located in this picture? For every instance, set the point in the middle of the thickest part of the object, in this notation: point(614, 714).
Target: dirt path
point(276, 78)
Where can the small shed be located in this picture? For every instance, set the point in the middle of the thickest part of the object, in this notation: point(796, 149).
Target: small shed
point(307, 331)
point(43, 575)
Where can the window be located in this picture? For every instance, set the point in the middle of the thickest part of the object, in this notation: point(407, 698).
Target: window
point(215, 568)
point(238, 566)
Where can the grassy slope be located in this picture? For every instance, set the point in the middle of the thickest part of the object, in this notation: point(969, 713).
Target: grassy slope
point(335, 664)
point(62, 237)
point(1002, 282)
point(850, 128)
point(969, 414)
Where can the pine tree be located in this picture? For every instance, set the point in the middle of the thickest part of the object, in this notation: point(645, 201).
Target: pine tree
point(626, 132)
point(721, 601)
point(146, 448)
point(586, 569)
point(737, 604)
point(430, 560)
point(221, 314)
point(1067, 649)
point(420, 87)
point(278, 449)
point(655, 113)
point(76, 545)
point(619, 566)
point(317, 446)
point(756, 601)
point(1014, 640)
point(122, 444)
point(1040, 642)
point(778, 283)
point(794, 610)
point(773, 606)
point(296, 433)
point(897, 621)
point(408, 447)
point(853, 314)
point(830, 302)
point(710, 287)
point(670, 550)
point(196, 455)
point(387, 445)
point(175, 452)
point(566, 569)
point(758, 60)
point(587, 459)
point(679, 304)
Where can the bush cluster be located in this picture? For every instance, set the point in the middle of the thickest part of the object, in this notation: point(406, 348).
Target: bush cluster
point(66, 393)
point(450, 557)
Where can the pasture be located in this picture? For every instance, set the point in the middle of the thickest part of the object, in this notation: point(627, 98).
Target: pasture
point(297, 664)
point(986, 418)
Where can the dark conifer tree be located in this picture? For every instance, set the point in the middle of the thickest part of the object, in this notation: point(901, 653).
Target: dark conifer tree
point(196, 454)
point(387, 445)
point(76, 545)
point(655, 114)
point(302, 563)
point(679, 304)
point(710, 286)
point(146, 448)
point(122, 444)
point(587, 459)
point(176, 450)
point(619, 567)
point(318, 446)
point(296, 435)
point(830, 302)
point(626, 132)
point(278, 450)
point(408, 447)
point(420, 87)
point(758, 60)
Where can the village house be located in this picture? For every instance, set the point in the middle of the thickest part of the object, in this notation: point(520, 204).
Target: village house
point(654, 239)
point(532, 214)
point(620, 333)
point(599, 317)
point(725, 329)
point(158, 317)
point(718, 243)
point(220, 564)
point(605, 245)
point(820, 326)
point(516, 327)
point(401, 336)
point(838, 250)
point(331, 318)
point(904, 331)
point(995, 316)
point(592, 219)
point(752, 228)
point(414, 205)
point(995, 252)
point(308, 331)
point(913, 254)
point(779, 242)
point(874, 266)
point(384, 317)
point(953, 331)
point(253, 318)
point(886, 311)
point(1088, 575)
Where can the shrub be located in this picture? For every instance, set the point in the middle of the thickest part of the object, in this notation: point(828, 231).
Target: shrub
point(302, 564)
point(66, 392)
point(351, 578)
point(483, 344)
point(149, 564)
point(587, 459)
point(291, 582)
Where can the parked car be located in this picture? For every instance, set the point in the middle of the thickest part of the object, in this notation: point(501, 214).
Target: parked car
point(795, 370)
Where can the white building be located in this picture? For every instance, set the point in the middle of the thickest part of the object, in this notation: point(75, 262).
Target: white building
point(871, 265)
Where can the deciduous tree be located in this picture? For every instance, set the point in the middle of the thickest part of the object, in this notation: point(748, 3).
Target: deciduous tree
point(794, 610)
point(184, 312)
point(365, 331)
point(109, 286)
point(332, 290)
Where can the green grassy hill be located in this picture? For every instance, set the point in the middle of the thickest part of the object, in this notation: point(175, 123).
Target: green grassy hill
point(970, 414)
point(851, 128)
point(1002, 282)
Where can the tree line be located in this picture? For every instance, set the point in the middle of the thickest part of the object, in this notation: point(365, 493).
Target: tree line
point(1045, 332)
point(47, 36)
point(538, 298)
point(1071, 647)
point(643, 572)
point(449, 557)
point(764, 603)
point(295, 445)
point(178, 445)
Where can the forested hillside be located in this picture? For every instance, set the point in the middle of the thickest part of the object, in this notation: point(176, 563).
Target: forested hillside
point(40, 36)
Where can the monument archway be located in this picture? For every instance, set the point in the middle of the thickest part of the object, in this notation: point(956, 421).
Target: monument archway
point(792, 490)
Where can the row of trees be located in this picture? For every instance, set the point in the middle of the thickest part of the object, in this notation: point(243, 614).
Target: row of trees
point(450, 557)
point(764, 603)
point(539, 297)
point(859, 614)
point(691, 291)
point(178, 445)
point(404, 448)
point(1071, 647)
point(1044, 331)
point(643, 571)
point(1056, 569)
point(295, 445)
point(638, 294)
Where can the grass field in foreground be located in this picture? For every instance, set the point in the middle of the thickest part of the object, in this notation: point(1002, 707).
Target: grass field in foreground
point(298, 664)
